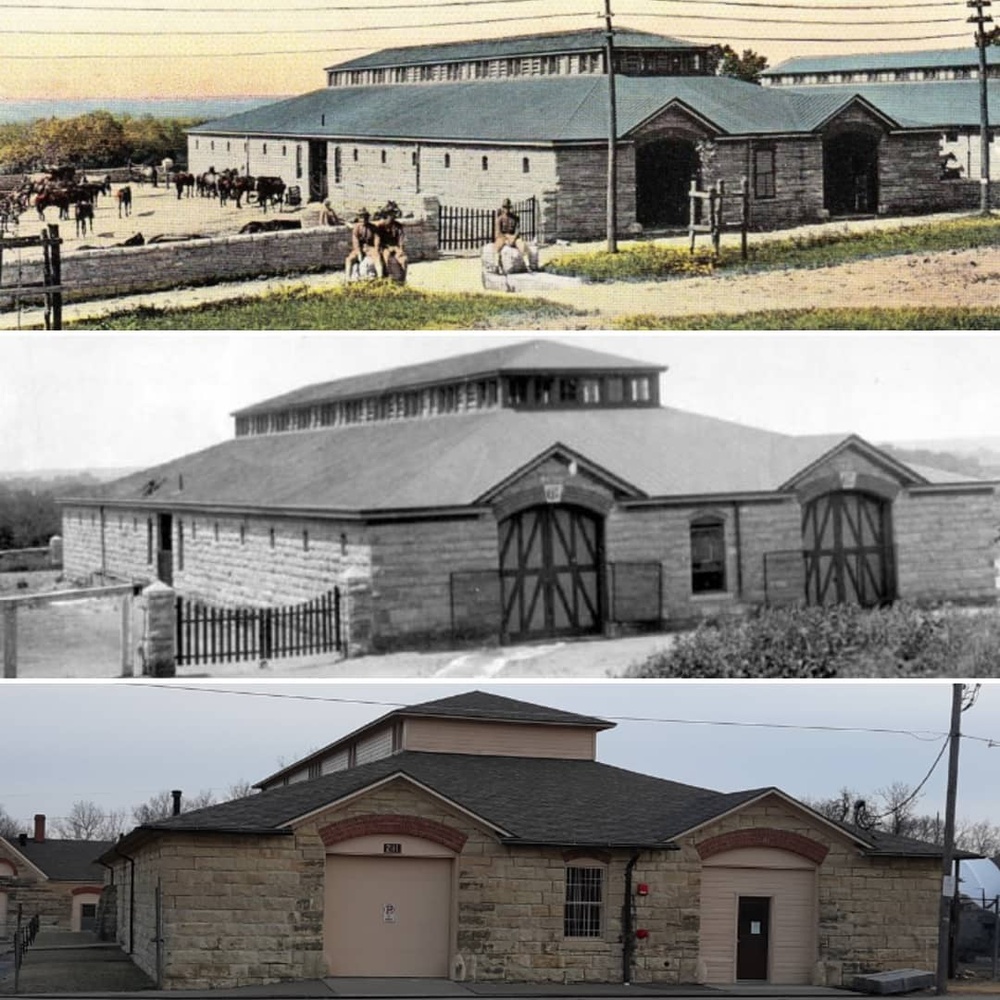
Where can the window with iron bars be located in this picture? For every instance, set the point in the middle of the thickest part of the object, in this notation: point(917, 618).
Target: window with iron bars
point(583, 912)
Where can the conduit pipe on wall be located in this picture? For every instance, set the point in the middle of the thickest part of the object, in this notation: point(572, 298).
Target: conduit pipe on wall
point(628, 928)
point(739, 549)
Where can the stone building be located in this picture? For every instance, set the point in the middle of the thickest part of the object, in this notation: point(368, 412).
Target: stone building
point(471, 123)
point(59, 881)
point(532, 490)
point(478, 838)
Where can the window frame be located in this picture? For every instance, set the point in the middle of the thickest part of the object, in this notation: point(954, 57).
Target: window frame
point(713, 579)
point(579, 912)
point(765, 180)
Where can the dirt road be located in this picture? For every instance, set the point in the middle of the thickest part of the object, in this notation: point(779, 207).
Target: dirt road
point(940, 279)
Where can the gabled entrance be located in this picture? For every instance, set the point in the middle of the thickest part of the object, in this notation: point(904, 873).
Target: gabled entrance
point(551, 563)
point(847, 546)
point(850, 173)
point(663, 173)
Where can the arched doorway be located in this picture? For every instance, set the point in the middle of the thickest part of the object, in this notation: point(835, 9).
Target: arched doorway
point(847, 542)
point(850, 173)
point(663, 173)
point(551, 560)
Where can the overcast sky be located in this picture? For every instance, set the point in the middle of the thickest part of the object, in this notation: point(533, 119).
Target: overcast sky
point(124, 400)
point(188, 48)
point(118, 744)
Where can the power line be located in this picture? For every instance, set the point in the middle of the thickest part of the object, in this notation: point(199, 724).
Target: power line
point(445, 24)
point(919, 734)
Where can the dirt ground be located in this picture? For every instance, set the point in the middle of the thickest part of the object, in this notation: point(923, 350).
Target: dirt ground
point(939, 279)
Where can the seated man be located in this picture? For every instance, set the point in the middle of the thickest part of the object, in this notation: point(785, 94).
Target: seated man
point(327, 216)
point(392, 239)
point(507, 233)
point(365, 242)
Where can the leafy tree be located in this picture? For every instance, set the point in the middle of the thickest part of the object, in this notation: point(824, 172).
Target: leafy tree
point(723, 60)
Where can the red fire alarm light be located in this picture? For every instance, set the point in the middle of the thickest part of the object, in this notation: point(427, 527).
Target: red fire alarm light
point(642, 933)
point(642, 889)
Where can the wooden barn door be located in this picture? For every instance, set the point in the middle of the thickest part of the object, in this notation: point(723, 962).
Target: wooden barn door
point(551, 560)
point(847, 538)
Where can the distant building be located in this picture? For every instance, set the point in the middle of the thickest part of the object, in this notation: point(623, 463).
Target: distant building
point(532, 490)
point(60, 881)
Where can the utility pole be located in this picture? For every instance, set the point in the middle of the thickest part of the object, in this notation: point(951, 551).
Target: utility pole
point(609, 55)
point(948, 854)
point(980, 20)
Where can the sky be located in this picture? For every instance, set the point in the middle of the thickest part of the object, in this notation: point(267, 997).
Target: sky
point(188, 48)
point(75, 401)
point(117, 744)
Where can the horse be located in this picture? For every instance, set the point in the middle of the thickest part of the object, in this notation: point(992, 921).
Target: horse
point(84, 213)
point(124, 198)
point(184, 183)
point(60, 197)
point(270, 189)
point(208, 184)
point(231, 185)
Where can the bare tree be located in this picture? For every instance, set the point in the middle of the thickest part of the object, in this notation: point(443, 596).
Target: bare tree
point(161, 806)
point(9, 827)
point(897, 808)
point(88, 821)
point(240, 790)
point(982, 836)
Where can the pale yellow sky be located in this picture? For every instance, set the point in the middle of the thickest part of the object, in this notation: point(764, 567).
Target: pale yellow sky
point(194, 49)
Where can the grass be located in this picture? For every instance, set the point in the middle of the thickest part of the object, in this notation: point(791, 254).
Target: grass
point(869, 318)
point(364, 306)
point(842, 641)
point(650, 261)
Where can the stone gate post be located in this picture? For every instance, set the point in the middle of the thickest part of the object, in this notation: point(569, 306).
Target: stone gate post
point(159, 638)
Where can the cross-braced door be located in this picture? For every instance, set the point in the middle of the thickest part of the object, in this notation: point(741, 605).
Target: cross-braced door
point(550, 572)
point(847, 541)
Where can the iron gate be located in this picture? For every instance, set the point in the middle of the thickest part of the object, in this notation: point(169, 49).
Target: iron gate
point(223, 635)
point(471, 228)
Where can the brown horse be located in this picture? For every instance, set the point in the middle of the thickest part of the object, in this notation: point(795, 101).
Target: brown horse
point(124, 198)
point(184, 183)
point(84, 214)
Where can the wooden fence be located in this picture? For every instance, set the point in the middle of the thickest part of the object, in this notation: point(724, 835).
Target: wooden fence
point(49, 288)
point(208, 634)
point(471, 228)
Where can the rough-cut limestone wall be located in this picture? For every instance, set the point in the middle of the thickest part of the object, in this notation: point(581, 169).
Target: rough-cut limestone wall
point(89, 274)
point(946, 545)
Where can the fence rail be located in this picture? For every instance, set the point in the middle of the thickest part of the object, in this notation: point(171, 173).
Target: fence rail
point(471, 228)
point(207, 634)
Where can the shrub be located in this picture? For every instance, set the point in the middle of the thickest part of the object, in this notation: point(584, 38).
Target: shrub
point(639, 262)
point(841, 641)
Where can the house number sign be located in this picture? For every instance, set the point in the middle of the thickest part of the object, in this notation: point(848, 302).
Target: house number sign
point(392, 848)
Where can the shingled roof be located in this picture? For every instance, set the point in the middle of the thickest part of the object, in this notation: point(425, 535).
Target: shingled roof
point(856, 62)
point(552, 110)
point(583, 40)
point(65, 860)
point(526, 800)
point(522, 357)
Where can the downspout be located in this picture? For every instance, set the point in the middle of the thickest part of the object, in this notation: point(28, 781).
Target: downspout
point(131, 899)
point(739, 550)
point(628, 923)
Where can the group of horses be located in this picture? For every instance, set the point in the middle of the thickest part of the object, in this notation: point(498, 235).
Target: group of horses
point(60, 188)
point(230, 185)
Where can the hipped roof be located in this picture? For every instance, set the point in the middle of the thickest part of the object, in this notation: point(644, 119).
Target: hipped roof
point(548, 43)
point(456, 460)
point(851, 63)
point(566, 109)
point(522, 357)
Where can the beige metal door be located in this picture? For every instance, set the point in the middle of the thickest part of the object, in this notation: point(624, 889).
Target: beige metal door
point(791, 936)
point(387, 916)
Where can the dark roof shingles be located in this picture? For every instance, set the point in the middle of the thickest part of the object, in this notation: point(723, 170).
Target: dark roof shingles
point(66, 860)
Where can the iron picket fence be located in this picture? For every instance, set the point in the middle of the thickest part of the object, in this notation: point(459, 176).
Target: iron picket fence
point(207, 634)
point(470, 228)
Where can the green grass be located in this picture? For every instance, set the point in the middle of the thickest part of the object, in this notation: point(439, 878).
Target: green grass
point(870, 318)
point(650, 261)
point(842, 641)
point(367, 306)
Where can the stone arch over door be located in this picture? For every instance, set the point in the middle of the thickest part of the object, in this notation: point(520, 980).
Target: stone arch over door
point(551, 571)
point(851, 171)
point(847, 548)
point(664, 168)
point(390, 898)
